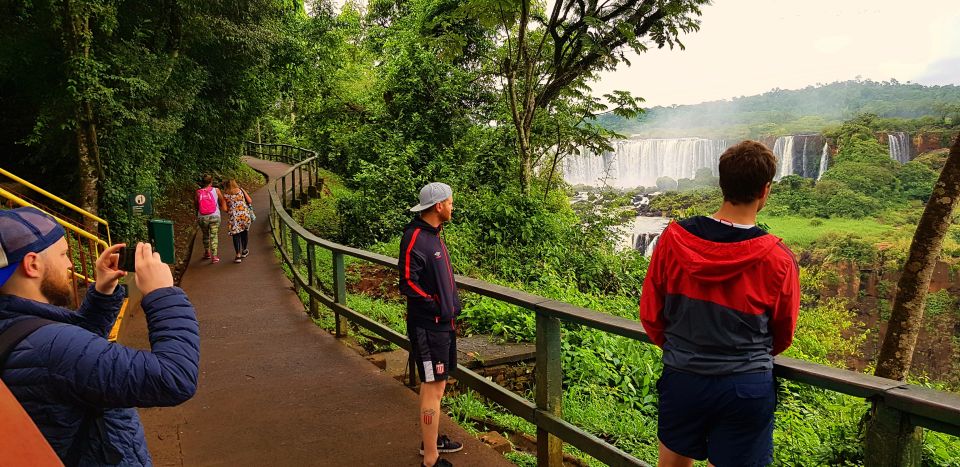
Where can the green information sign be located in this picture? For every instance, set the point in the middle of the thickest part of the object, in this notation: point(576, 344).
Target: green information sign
point(141, 204)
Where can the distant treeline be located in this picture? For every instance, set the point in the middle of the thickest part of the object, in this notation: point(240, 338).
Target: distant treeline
point(811, 109)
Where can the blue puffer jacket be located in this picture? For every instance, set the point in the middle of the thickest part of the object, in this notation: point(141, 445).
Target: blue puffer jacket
point(69, 378)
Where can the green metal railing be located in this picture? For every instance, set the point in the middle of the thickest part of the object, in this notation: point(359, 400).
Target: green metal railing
point(910, 404)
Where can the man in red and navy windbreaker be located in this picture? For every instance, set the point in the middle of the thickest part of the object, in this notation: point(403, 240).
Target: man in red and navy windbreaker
point(721, 297)
point(426, 279)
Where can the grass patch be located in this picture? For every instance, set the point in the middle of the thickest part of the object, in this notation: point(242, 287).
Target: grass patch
point(803, 231)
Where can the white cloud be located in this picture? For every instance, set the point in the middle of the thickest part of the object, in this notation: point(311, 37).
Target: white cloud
point(832, 44)
point(747, 47)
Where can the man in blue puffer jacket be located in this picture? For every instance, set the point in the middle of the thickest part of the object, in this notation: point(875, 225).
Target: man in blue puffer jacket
point(79, 388)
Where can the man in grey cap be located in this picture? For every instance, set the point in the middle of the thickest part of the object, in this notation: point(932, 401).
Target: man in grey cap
point(426, 279)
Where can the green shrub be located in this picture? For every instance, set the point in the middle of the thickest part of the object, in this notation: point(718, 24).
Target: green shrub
point(705, 200)
point(916, 180)
point(320, 216)
point(941, 302)
point(847, 247)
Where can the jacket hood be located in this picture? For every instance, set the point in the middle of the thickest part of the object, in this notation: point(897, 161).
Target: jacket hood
point(418, 223)
point(712, 261)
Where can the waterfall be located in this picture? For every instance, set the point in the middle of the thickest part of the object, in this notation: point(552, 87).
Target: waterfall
point(803, 155)
point(640, 161)
point(824, 157)
point(648, 251)
point(783, 149)
point(899, 144)
point(641, 234)
point(645, 242)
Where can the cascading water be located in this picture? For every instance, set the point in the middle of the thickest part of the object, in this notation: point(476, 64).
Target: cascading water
point(824, 158)
point(648, 251)
point(783, 149)
point(803, 156)
point(642, 233)
point(639, 162)
point(899, 144)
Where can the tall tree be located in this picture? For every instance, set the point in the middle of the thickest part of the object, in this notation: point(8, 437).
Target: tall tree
point(890, 439)
point(75, 18)
point(544, 55)
point(102, 98)
point(896, 354)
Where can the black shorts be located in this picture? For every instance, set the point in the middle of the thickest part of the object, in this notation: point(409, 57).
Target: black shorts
point(727, 419)
point(434, 352)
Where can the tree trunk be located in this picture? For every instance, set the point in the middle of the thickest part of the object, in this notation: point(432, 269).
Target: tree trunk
point(521, 96)
point(896, 354)
point(76, 36)
point(890, 439)
point(87, 157)
point(91, 170)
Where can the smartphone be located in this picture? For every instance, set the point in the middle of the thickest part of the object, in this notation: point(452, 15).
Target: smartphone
point(128, 256)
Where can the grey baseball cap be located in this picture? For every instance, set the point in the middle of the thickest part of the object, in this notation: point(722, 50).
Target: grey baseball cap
point(433, 193)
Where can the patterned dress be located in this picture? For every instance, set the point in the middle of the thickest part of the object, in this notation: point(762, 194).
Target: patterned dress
point(238, 213)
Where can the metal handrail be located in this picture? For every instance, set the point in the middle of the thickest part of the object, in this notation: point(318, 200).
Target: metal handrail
point(936, 410)
point(83, 247)
point(84, 213)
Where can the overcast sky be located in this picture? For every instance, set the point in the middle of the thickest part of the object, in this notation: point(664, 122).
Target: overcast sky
point(747, 47)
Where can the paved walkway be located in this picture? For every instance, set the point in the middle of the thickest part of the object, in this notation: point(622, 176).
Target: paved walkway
point(274, 388)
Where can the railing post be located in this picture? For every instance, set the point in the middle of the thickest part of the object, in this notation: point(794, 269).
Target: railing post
point(297, 181)
point(272, 215)
point(314, 191)
point(283, 192)
point(413, 377)
point(295, 253)
point(312, 278)
point(281, 236)
point(340, 292)
point(300, 176)
point(890, 439)
point(549, 387)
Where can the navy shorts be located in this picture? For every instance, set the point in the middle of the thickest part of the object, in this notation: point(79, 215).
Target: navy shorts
point(434, 352)
point(727, 419)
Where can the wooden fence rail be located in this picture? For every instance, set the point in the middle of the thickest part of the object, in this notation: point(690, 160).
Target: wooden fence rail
point(918, 406)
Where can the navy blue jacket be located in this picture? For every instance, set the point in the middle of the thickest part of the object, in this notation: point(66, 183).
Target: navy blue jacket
point(67, 372)
point(426, 278)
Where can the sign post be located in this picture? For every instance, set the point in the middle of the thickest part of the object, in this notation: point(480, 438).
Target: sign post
point(141, 204)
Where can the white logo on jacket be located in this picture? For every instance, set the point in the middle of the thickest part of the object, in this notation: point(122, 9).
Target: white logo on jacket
point(437, 254)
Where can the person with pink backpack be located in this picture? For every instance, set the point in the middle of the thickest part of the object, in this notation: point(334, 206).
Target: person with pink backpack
point(210, 203)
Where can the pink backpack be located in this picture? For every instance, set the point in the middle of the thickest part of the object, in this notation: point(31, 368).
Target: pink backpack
point(207, 201)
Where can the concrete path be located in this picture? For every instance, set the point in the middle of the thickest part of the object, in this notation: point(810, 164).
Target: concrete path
point(276, 390)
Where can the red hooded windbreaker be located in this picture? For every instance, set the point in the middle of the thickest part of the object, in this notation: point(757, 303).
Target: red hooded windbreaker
point(720, 308)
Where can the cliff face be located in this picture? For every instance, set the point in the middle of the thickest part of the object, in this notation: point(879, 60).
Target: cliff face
point(939, 345)
point(927, 141)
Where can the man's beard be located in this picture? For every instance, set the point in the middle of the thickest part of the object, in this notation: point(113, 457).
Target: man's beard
point(57, 292)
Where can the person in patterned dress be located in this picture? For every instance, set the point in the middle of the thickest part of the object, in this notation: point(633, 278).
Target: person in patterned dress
point(239, 217)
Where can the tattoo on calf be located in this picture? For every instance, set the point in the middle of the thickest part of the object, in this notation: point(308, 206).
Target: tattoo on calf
point(428, 416)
